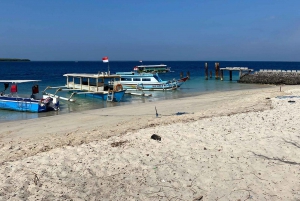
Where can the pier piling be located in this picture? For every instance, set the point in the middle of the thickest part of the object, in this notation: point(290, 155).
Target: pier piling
point(217, 68)
point(206, 71)
point(222, 75)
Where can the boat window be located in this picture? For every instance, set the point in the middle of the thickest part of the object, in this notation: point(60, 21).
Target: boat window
point(84, 81)
point(157, 78)
point(126, 79)
point(136, 79)
point(146, 79)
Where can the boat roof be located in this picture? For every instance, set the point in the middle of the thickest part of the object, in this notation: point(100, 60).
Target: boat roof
point(86, 75)
point(125, 73)
point(18, 81)
point(135, 74)
point(153, 66)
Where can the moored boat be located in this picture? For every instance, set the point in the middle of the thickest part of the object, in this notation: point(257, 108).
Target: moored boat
point(12, 101)
point(147, 81)
point(161, 68)
point(102, 85)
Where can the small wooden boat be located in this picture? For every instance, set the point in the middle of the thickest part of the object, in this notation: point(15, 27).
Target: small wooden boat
point(101, 85)
point(148, 81)
point(12, 101)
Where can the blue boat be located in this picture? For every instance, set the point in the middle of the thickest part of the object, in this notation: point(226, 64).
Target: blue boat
point(148, 81)
point(102, 85)
point(12, 101)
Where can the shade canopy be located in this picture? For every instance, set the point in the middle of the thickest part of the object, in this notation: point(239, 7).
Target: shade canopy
point(18, 81)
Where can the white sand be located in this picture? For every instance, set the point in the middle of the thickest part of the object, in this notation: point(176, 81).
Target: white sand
point(229, 146)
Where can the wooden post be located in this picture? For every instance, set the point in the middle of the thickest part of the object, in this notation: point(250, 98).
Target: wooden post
point(97, 84)
point(81, 83)
point(181, 74)
point(206, 71)
point(188, 74)
point(217, 70)
point(222, 75)
point(230, 75)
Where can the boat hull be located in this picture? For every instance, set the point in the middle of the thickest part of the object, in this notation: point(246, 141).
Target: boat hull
point(22, 104)
point(116, 95)
point(151, 87)
point(154, 87)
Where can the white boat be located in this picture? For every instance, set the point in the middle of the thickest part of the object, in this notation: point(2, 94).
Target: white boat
point(161, 68)
point(101, 85)
point(148, 81)
point(12, 101)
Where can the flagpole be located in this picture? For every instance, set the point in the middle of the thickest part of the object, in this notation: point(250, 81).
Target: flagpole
point(108, 68)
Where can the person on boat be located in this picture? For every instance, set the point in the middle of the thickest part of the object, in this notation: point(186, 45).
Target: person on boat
point(6, 85)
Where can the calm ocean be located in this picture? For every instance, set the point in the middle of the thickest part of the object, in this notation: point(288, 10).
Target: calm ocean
point(51, 74)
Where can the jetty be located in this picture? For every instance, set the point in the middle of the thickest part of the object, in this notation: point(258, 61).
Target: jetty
point(269, 76)
point(242, 71)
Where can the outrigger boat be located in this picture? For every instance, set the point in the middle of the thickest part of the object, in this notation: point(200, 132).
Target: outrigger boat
point(12, 101)
point(101, 85)
point(148, 81)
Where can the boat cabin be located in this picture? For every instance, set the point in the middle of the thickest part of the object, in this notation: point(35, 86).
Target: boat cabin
point(139, 77)
point(92, 82)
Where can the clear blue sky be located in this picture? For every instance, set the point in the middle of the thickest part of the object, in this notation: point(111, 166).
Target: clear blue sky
point(206, 30)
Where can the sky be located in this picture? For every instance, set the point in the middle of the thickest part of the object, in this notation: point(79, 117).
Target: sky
point(150, 30)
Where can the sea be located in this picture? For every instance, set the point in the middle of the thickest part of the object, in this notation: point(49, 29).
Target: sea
point(51, 74)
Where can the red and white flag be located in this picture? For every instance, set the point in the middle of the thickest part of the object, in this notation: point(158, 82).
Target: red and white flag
point(105, 59)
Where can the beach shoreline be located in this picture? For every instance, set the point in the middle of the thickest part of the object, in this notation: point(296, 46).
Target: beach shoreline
point(193, 129)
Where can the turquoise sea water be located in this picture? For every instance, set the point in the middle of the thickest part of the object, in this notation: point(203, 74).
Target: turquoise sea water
point(51, 74)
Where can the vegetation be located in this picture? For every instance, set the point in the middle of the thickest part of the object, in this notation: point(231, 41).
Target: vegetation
point(8, 59)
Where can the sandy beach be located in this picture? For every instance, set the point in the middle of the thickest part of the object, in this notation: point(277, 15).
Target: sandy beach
point(234, 145)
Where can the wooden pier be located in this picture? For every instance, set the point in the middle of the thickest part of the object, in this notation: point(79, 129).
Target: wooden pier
point(242, 71)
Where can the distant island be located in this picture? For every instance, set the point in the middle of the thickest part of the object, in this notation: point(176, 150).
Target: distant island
point(7, 59)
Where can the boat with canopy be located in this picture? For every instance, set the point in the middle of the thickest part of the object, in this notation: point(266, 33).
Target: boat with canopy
point(148, 81)
point(12, 101)
point(102, 85)
point(161, 68)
